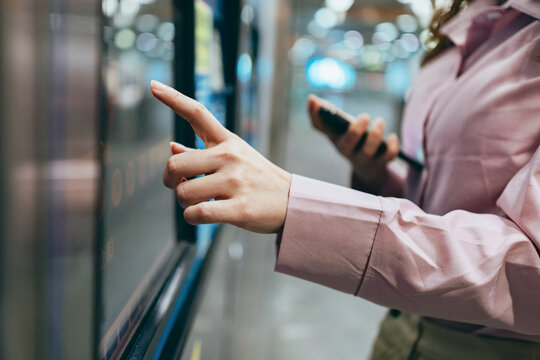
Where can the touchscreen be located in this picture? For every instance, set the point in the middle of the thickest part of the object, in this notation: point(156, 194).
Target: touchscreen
point(137, 215)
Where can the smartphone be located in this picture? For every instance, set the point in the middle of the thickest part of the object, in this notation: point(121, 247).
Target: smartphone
point(339, 125)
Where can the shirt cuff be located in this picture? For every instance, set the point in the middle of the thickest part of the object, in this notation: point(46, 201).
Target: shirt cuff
point(328, 234)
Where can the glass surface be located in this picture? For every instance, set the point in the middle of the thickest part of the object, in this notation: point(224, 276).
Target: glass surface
point(209, 81)
point(247, 78)
point(138, 211)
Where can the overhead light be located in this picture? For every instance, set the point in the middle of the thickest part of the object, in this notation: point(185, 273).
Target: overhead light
point(407, 23)
point(423, 9)
point(165, 31)
point(316, 30)
point(146, 42)
point(339, 5)
point(330, 73)
point(372, 58)
point(247, 15)
point(302, 50)
point(129, 7)
point(124, 39)
point(409, 42)
point(399, 51)
point(353, 40)
point(109, 7)
point(146, 23)
point(244, 67)
point(388, 29)
point(326, 18)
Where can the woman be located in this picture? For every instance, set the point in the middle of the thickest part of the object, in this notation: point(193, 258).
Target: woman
point(457, 243)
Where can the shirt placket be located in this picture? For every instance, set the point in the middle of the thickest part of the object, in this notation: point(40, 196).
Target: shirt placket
point(478, 31)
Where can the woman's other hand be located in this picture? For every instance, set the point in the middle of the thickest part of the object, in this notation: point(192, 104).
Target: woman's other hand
point(369, 167)
point(249, 191)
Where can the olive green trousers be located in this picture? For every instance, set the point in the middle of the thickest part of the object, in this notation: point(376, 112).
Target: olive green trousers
point(409, 337)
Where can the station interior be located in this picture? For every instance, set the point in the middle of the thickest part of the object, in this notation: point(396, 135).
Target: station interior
point(96, 260)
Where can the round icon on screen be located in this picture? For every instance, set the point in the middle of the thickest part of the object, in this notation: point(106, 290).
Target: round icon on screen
point(130, 178)
point(116, 187)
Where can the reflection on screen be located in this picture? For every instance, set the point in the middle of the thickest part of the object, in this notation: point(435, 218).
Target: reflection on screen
point(137, 215)
point(209, 83)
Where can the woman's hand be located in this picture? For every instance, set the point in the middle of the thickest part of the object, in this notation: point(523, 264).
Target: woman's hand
point(369, 168)
point(249, 191)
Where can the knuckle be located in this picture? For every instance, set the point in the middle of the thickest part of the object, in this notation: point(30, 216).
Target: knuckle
point(369, 148)
point(169, 171)
point(194, 215)
point(190, 216)
point(234, 179)
point(203, 212)
point(376, 135)
point(172, 164)
point(199, 108)
point(175, 94)
point(181, 194)
point(231, 153)
point(359, 129)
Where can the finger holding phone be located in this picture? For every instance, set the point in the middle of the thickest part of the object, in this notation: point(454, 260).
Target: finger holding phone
point(364, 149)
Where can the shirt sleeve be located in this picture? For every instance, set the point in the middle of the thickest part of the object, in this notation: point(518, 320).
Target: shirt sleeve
point(475, 268)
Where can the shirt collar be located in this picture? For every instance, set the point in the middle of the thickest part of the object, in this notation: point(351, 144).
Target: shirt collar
point(529, 7)
point(456, 29)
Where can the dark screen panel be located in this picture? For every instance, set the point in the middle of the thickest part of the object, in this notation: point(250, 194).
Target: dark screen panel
point(137, 220)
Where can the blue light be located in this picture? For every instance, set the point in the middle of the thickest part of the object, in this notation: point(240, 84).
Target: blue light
point(244, 68)
point(330, 73)
point(397, 77)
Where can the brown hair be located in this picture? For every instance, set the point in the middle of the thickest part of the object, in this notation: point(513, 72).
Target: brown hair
point(436, 42)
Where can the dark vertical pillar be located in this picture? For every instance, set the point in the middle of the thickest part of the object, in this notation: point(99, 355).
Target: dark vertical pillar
point(230, 39)
point(184, 81)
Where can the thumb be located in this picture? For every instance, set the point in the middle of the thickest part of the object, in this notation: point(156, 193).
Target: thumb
point(205, 125)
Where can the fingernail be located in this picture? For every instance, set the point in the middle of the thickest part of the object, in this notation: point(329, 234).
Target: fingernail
point(157, 86)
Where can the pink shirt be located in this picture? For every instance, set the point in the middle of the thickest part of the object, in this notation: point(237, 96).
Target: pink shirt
point(463, 244)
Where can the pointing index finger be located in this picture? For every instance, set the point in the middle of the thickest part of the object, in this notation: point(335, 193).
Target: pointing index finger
point(206, 126)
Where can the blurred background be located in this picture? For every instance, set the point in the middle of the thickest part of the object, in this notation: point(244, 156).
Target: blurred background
point(95, 258)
